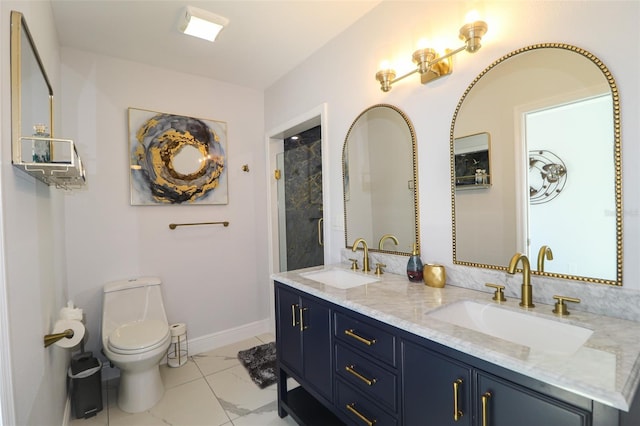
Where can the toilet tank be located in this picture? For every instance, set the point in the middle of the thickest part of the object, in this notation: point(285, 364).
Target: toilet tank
point(132, 300)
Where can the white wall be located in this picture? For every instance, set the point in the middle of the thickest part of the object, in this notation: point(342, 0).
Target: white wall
point(342, 75)
point(215, 278)
point(33, 228)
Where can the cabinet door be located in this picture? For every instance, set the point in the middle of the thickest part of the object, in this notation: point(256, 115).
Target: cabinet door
point(288, 324)
point(502, 403)
point(435, 390)
point(316, 340)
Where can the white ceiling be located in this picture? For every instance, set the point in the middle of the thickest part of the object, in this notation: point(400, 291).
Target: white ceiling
point(263, 41)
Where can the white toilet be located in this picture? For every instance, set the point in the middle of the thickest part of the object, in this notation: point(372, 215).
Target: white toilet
point(135, 338)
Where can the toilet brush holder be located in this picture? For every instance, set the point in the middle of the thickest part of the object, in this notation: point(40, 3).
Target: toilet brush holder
point(179, 349)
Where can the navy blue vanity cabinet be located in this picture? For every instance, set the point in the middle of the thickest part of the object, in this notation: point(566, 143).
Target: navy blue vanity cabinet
point(303, 339)
point(502, 403)
point(356, 370)
point(443, 387)
point(436, 390)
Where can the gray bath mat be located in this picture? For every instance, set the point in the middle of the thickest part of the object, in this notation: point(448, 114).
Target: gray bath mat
point(260, 362)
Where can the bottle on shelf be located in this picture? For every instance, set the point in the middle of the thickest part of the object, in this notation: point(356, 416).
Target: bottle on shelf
point(41, 148)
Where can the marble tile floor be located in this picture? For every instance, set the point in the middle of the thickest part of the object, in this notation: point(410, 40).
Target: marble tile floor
point(211, 389)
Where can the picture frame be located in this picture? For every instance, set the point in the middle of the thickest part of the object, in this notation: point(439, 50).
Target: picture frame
point(472, 165)
point(176, 159)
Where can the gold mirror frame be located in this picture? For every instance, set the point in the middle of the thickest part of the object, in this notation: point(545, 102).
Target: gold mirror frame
point(19, 29)
point(617, 164)
point(416, 231)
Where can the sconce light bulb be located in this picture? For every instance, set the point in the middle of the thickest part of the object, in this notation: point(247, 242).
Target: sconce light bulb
point(472, 16)
point(423, 43)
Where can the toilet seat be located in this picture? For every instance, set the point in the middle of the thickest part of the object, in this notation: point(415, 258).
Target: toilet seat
point(139, 336)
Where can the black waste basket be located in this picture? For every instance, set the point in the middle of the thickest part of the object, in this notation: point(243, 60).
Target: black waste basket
point(85, 372)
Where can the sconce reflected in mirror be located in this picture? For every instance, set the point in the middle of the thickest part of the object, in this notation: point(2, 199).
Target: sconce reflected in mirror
point(430, 66)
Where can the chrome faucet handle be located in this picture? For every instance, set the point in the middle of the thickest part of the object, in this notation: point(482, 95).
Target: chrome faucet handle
point(498, 295)
point(560, 307)
point(354, 264)
point(379, 267)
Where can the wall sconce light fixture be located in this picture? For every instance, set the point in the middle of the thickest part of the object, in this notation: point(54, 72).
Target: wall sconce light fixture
point(430, 65)
point(201, 23)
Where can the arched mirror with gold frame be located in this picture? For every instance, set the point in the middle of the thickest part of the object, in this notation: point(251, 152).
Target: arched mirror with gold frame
point(380, 181)
point(552, 114)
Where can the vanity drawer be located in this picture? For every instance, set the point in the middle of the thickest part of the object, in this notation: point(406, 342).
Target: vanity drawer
point(366, 337)
point(368, 377)
point(360, 409)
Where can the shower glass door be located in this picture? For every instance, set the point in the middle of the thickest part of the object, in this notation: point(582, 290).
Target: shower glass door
point(300, 201)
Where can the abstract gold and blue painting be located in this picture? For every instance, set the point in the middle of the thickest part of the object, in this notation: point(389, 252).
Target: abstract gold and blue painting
point(177, 159)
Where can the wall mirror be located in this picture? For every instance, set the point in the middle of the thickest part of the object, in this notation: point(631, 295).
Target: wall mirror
point(31, 92)
point(380, 180)
point(34, 149)
point(552, 114)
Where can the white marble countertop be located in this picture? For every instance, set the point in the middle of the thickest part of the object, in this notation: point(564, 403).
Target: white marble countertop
point(606, 368)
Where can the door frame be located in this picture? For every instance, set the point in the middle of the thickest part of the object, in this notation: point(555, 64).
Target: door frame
point(7, 402)
point(275, 145)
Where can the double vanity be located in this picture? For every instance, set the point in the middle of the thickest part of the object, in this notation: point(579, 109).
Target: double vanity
point(377, 349)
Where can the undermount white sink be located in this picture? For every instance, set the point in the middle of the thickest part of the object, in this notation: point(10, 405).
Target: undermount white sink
point(340, 278)
point(541, 334)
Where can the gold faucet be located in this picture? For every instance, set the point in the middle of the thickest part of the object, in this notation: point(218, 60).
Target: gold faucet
point(384, 237)
point(365, 257)
point(544, 251)
point(527, 291)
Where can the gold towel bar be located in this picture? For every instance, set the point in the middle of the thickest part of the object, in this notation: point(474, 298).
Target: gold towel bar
point(175, 225)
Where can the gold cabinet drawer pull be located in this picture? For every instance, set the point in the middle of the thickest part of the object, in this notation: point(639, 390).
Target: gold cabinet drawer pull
point(485, 408)
point(351, 369)
point(351, 333)
point(303, 326)
point(457, 413)
point(351, 407)
point(293, 315)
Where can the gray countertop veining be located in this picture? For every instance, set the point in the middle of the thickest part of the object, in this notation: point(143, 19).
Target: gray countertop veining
point(606, 368)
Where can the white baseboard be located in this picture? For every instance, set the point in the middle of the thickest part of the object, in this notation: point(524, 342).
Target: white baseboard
point(226, 337)
point(66, 418)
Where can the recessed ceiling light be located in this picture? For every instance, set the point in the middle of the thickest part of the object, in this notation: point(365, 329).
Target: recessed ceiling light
point(202, 23)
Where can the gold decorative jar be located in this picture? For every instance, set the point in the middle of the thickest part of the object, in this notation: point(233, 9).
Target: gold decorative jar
point(434, 275)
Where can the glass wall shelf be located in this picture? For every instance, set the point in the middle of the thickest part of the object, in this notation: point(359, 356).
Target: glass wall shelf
point(52, 161)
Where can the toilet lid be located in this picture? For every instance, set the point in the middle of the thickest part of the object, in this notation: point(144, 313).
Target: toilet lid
point(138, 335)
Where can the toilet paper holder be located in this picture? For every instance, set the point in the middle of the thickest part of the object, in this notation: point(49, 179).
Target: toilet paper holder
point(50, 339)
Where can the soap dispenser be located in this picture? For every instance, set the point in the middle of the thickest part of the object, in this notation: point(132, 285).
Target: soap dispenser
point(414, 266)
